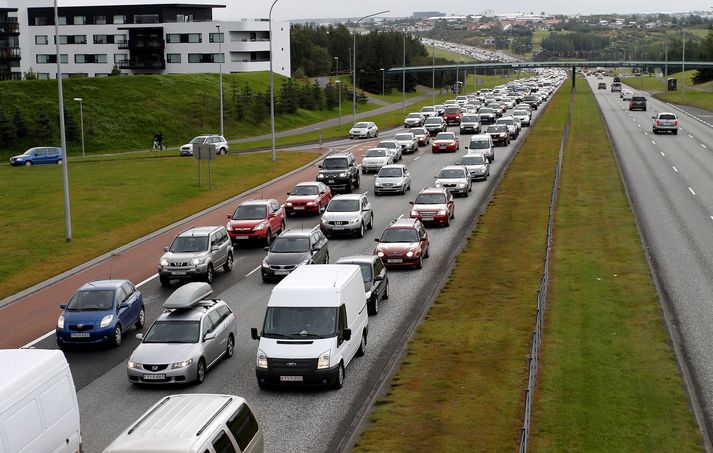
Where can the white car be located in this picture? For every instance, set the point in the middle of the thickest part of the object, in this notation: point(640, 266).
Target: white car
point(221, 144)
point(364, 129)
point(455, 178)
point(523, 116)
point(375, 158)
point(477, 164)
point(626, 95)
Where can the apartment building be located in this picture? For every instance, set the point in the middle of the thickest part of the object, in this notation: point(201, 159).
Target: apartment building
point(157, 37)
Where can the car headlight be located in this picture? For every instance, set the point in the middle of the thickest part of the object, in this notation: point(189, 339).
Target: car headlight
point(504, 134)
point(409, 254)
point(261, 359)
point(60, 322)
point(320, 176)
point(265, 265)
point(438, 184)
point(398, 184)
point(197, 261)
point(461, 185)
point(259, 226)
point(228, 227)
point(182, 364)
point(414, 213)
point(377, 184)
point(323, 361)
point(309, 203)
point(343, 175)
point(380, 254)
point(289, 204)
point(164, 262)
point(134, 365)
point(106, 320)
point(442, 212)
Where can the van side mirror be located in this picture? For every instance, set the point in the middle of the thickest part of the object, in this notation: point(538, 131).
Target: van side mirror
point(215, 248)
point(253, 334)
point(165, 249)
point(62, 306)
point(411, 202)
point(378, 278)
point(229, 216)
point(267, 249)
point(347, 334)
point(376, 239)
point(320, 165)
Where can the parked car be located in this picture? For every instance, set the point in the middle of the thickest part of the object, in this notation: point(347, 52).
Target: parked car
point(455, 178)
point(414, 120)
point(523, 117)
point(470, 124)
point(348, 214)
point(186, 340)
point(403, 243)
point(434, 125)
point(637, 103)
point(422, 135)
point(339, 171)
point(452, 115)
point(408, 142)
point(100, 312)
point(294, 248)
point(375, 158)
point(196, 254)
point(220, 143)
point(482, 143)
point(307, 197)
point(376, 279)
point(393, 147)
point(500, 134)
point(434, 205)
point(477, 164)
point(392, 179)
point(445, 141)
point(38, 156)
point(428, 111)
point(665, 122)
point(259, 220)
point(364, 129)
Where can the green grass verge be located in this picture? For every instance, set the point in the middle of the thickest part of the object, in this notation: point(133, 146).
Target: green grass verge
point(448, 54)
point(696, 95)
point(113, 202)
point(460, 385)
point(608, 380)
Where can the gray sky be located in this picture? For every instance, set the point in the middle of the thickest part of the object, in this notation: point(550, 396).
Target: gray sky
point(301, 9)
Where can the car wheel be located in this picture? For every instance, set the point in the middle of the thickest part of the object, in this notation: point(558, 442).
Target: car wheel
point(209, 274)
point(349, 187)
point(465, 194)
point(230, 349)
point(223, 151)
point(654, 131)
point(362, 346)
point(675, 132)
point(360, 233)
point(116, 340)
point(428, 252)
point(339, 381)
point(228, 266)
point(268, 237)
point(386, 291)
point(370, 225)
point(28, 163)
point(200, 372)
point(372, 308)
point(419, 264)
point(165, 281)
point(142, 319)
point(59, 162)
point(326, 259)
point(377, 134)
point(358, 182)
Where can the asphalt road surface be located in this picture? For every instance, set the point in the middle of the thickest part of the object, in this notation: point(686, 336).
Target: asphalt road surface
point(670, 178)
point(294, 420)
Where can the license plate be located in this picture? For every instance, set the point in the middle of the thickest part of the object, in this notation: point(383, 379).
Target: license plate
point(426, 219)
point(291, 378)
point(178, 273)
point(337, 227)
point(442, 146)
point(154, 377)
point(396, 261)
point(331, 181)
point(299, 208)
point(79, 335)
point(282, 272)
point(242, 237)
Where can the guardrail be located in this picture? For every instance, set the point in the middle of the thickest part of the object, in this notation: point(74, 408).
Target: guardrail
point(542, 293)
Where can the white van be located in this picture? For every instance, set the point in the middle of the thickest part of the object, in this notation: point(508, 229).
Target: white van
point(38, 403)
point(316, 322)
point(193, 423)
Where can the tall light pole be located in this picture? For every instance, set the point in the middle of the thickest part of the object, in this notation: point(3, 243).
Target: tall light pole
point(272, 86)
point(433, 72)
point(220, 68)
point(62, 136)
point(403, 78)
point(81, 121)
point(339, 84)
point(383, 82)
point(336, 72)
point(683, 69)
point(354, 79)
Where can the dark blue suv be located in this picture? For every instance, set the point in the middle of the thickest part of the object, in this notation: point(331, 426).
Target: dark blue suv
point(100, 312)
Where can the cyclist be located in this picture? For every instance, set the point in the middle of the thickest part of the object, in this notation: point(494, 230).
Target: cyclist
point(157, 141)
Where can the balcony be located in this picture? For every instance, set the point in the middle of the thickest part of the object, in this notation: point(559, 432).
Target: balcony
point(136, 44)
point(9, 28)
point(139, 64)
point(250, 45)
point(9, 54)
point(10, 76)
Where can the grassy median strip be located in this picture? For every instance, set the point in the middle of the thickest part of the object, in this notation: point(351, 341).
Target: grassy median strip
point(608, 378)
point(113, 203)
point(461, 383)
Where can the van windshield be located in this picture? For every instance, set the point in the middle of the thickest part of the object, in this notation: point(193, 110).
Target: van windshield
point(300, 322)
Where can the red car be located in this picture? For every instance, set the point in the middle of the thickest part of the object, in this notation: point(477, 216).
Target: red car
point(445, 141)
point(308, 197)
point(403, 243)
point(422, 135)
point(434, 205)
point(256, 219)
point(452, 115)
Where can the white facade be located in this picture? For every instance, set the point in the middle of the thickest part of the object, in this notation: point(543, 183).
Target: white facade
point(184, 47)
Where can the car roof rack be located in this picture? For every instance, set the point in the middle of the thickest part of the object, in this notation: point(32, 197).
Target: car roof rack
point(188, 296)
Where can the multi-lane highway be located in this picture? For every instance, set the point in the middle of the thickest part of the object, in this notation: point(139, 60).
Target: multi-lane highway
point(295, 420)
point(670, 182)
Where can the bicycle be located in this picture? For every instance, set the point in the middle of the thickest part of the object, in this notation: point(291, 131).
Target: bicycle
point(156, 146)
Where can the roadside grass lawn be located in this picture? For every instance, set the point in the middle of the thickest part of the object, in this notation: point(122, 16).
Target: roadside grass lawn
point(113, 202)
point(608, 380)
point(448, 54)
point(696, 95)
point(460, 385)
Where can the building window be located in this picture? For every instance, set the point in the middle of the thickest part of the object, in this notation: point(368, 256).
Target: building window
point(216, 37)
point(119, 19)
point(146, 18)
point(80, 20)
point(103, 39)
point(41, 40)
point(173, 57)
point(72, 39)
point(206, 58)
point(43, 75)
point(184, 17)
point(90, 58)
point(101, 74)
point(100, 20)
point(121, 57)
point(43, 20)
point(62, 20)
point(174, 38)
point(120, 39)
point(51, 58)
point(78, 75)
point(195, 37)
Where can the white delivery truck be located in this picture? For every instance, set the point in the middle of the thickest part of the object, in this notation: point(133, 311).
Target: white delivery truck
point(316, 322)
point(38, 403)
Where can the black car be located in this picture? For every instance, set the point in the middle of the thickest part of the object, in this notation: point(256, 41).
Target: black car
point(294, 248)
point(434, 125)
point(532, 101)
point(339, 171)
point(499, 133)
point(376, 280)
point(637, 103)
point(487, 115)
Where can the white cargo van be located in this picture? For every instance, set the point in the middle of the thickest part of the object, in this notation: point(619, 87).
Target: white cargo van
point(38, 403)
point(193, 423)
point(316, 322)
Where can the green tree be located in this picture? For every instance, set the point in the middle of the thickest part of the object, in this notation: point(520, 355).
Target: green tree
point(115, 71)
point(20, 124)
point(71, 128)
point(7, 129)
point(316, 95)
point(706, 51)
point(44, 130)
point(30, 74)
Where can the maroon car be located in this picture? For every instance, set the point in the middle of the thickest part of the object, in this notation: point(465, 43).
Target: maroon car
point(308, 197)
point(403, 243)
point(452, 115)
point(445, 142)
point(256, 219)
point(434, 205)
point(422, 135)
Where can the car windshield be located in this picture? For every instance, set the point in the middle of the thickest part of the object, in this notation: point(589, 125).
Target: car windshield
point(486, 110)
point(189, 244)
point(469, 119)
point(453, 110)
point(30, 151)
point(290, 244)
point(506, 121)
point(479, 144)
point(399, 235)
point(451, 173)
point(300, 322)
point(198, 140)
point(92, 300)
point(428, 109)
point(430, 198)
point(173, 332)
point(335, 163)
point(403, 137)
point(390, 173)
point(434, 122)
point(520, 113)
point(305, 190)
point(498, 128)
point(445, 136)
point(375, 153)
point(638, 98)
point(419, 131)
point(472, 160)
point(388, 145)
point(414, 115)
point(342, 205)
point(361, 125)
point(667, 116)
point(250, 212)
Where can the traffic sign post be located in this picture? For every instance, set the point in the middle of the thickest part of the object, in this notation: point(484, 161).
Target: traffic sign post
point(204, 152)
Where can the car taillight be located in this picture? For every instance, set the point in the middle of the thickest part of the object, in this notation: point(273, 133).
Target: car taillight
point(658, 123)
point(675, 123)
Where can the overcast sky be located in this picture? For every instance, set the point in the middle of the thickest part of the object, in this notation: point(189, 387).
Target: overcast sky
point(302, 9)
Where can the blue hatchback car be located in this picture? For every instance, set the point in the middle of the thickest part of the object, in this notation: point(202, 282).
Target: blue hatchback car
point(38, 156)
point(100, 312)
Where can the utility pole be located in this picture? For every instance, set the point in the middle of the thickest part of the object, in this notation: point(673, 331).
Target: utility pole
point(272, 86)
point(62, 135)
point(433, 72)
point(220, 68)
point(354, 79)
point(403, 76)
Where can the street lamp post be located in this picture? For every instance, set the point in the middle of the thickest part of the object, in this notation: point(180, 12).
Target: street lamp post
point(336, 72)
point(220, 68)
point(433, 72)
point(81, 120)
point(403, 78)
point(683, 69)
point(272, 86)
point(62, 136)
point(339, 84)
point(354, 79)
point(383, 82)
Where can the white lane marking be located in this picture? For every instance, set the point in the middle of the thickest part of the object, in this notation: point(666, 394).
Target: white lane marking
point(712, 217)
point(638, 125)
point(417, 158)
point(675, 169)
point(692, 191)
point(37, 340)
point(663, 154)
point(253, 271)
point(646, 133)
point(147, 280)
point(689, 135)
point(653, 142)
point(401, 217)
point(704, 146)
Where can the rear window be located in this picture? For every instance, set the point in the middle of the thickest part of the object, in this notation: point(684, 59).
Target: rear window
point(667, 116)
point(638, 99)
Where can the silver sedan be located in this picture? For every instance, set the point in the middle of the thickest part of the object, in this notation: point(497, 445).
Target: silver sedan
point(392, 179)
